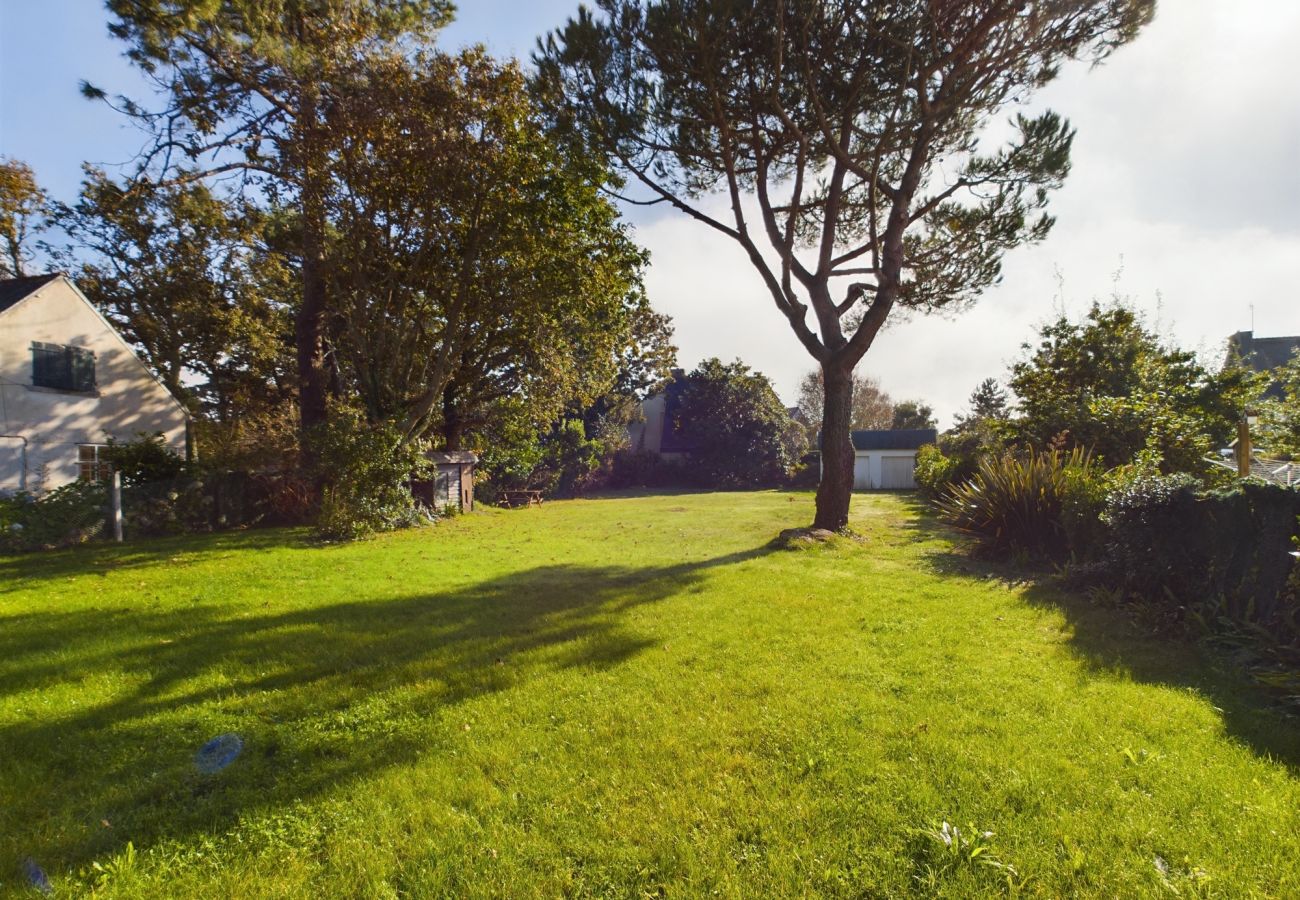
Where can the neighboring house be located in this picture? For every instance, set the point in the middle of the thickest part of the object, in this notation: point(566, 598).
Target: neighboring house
point(656, 433)
point(1262, 355)
point(68, 382)
point(885, 460)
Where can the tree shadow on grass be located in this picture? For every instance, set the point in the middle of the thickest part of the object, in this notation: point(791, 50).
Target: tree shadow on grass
point(1107, 639)
point(321, 696)
point(17, 572)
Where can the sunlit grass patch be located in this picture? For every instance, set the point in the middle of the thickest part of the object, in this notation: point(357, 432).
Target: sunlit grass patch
point(623, 697)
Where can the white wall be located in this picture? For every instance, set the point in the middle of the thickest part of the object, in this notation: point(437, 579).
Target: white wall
point(868, 467)
point(647, 436)
point(127, 400)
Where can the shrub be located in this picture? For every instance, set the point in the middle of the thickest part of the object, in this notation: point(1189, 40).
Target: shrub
point(366, 470)
point(71, 514)
point(1020, 504)
point(146, 459)
point(1218, 558)
point(639, 468)
point(934, 472)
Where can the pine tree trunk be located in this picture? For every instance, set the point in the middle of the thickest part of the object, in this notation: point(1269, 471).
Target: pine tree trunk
point(309, 324)
point(836, 488)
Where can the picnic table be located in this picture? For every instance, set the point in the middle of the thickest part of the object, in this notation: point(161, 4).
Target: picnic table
point(513, 499)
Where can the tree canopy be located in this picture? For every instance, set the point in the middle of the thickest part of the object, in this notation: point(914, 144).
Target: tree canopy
point(846, 139)
point(1111, 385)
point(872, 408)
point(249, 87)
point(911, 414)
point(176, 270)
point(23, 209)
point(739, 431)
point(473, 257)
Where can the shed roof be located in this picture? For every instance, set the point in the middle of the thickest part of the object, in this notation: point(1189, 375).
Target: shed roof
point(452, 457)
point(14, 289)
point(902, 439)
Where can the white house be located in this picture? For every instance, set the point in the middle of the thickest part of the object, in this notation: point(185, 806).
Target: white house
point(885, 460)
point(68, 382)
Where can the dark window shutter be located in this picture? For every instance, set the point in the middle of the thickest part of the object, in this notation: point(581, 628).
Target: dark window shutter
point(63, 368)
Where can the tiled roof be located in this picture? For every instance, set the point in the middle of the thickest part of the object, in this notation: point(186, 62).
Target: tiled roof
point(14, 289)
point(902, 439)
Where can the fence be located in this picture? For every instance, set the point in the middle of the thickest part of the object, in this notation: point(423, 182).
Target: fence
point(88, 511)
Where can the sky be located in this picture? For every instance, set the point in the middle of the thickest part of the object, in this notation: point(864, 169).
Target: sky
point(1184, 196)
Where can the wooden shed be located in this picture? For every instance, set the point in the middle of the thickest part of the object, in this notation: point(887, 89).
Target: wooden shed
point(452, 484)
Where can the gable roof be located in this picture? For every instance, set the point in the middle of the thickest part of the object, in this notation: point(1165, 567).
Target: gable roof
point(902, 439)
point(14, 289)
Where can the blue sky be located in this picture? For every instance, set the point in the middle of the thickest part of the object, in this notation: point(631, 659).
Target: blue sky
point(1184, 194)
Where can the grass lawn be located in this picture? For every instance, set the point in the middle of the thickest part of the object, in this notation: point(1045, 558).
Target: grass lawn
point(625, 697)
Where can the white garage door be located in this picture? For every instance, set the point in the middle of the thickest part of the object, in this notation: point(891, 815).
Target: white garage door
point(896, 472)
point(861, 472)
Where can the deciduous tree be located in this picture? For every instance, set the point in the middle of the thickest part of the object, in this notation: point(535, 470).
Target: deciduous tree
point(248, 88)
point(736, 425)
point(23, 208)
point(473, 260)
point(911, 414)
point(871, 408)
point(175, 269)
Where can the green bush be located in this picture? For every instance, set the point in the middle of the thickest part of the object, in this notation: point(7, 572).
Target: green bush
point(1021, 504)
point(146, 459)
point(934, 472)
point(1219, 559)
point(71, 514)
point(366, 470)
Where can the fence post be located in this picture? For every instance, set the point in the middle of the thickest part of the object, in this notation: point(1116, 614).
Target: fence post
point(1243, 447)
point(116, 494)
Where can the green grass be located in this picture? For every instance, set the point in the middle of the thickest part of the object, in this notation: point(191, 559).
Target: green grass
point(624, 697)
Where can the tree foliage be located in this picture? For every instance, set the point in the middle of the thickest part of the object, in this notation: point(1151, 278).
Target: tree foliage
point(845, 138)
point(23, 209)
point(988, 403)
point(1280, 417)
point(738, 430)
point(177, 271)
point(872, 408)
point(248, 88)
point(911, 414)
point(475, 259)
point(1111, 385)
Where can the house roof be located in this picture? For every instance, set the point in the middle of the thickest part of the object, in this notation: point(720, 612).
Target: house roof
point(14, 289)
point(902, 439)
point(1262, 354)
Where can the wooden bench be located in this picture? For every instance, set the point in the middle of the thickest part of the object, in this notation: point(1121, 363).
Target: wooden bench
point(514, 499)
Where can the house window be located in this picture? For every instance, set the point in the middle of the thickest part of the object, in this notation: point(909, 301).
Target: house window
point(63, 367)
point(91, 464)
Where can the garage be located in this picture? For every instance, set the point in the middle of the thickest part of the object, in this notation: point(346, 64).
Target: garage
point(886, 460)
